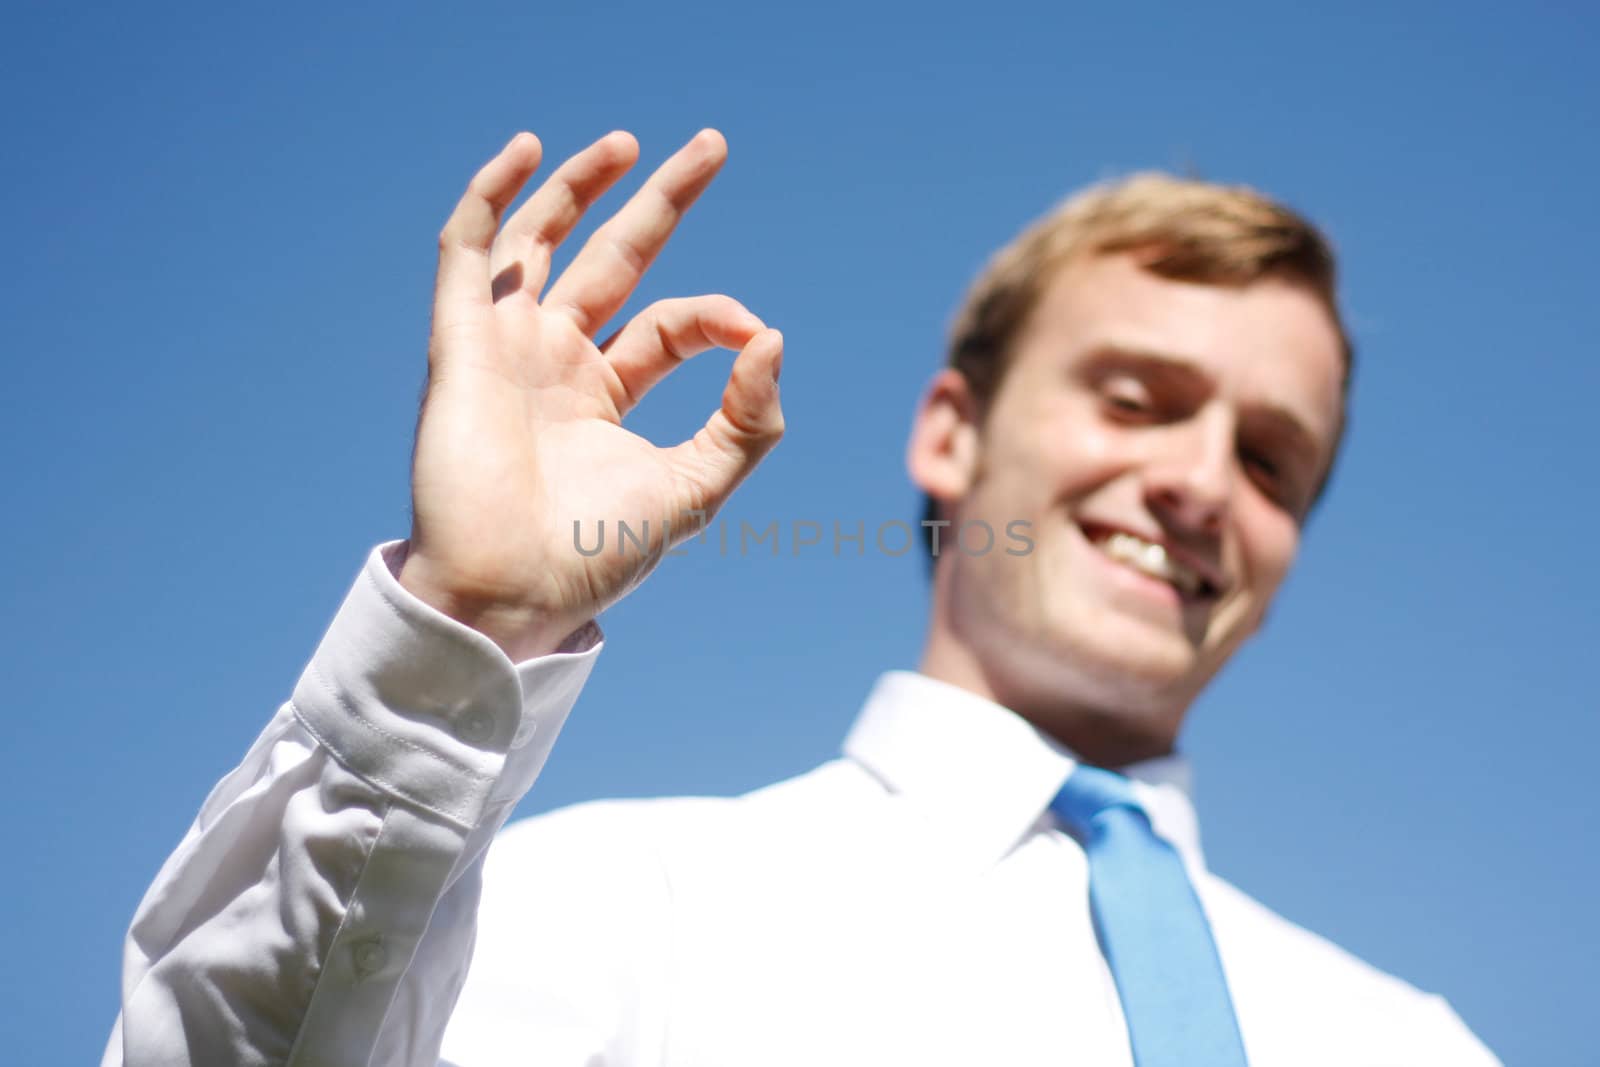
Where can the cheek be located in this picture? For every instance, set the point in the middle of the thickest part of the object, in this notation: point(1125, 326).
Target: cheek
point(1096, 445)
point(1033, 456)
point(1087, 455)
point(1067, 444)
point(1269, 539)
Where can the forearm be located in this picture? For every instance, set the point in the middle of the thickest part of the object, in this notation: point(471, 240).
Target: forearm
point(286, 922)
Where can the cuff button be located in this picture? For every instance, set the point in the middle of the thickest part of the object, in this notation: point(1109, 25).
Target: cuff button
point(475, 727)
point(370, 957)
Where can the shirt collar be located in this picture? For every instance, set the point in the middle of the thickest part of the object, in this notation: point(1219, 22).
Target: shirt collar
point(987, 775)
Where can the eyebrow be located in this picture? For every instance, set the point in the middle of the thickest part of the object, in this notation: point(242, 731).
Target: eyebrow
point(1280, 419)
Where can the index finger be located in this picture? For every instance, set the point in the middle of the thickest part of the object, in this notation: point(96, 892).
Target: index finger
point(601, 277)
point(466, 238)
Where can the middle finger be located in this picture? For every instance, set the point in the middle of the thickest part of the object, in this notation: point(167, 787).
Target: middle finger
point(605, 272)
point(532, 234)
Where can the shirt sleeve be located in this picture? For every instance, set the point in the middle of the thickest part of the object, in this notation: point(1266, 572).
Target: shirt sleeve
point(1447, 1038)
point(321, 909)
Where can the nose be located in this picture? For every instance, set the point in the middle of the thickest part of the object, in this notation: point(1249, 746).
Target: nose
point(1189, 482)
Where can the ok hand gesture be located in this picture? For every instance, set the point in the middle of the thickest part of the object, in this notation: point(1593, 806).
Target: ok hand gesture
point(521, 429)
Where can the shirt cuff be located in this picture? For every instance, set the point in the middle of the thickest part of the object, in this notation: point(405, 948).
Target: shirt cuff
point(429, 710)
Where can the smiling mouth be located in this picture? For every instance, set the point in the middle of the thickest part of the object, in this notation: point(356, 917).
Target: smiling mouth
point(1152, 560)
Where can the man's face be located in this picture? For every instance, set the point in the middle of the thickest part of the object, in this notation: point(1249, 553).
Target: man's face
point(1164, 440)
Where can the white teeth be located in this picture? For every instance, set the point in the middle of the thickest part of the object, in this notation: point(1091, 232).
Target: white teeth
point(1152, 559)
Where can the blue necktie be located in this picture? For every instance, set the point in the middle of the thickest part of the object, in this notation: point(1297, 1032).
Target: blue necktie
point(1151, 929)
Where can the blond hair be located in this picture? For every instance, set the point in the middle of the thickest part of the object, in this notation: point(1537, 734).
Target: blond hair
point(1181, 228)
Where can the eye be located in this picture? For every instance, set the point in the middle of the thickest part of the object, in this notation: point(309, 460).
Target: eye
point(1128, 397)
point(1262, 464)
point(1273, 479)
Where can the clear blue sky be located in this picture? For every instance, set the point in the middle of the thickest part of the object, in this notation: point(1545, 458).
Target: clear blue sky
point(215, 305)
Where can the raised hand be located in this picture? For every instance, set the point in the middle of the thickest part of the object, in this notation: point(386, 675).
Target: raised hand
point(521, 429)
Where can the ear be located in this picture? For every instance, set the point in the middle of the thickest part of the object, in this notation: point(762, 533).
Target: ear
point(942, 455)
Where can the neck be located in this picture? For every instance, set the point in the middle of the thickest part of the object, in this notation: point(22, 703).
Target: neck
point(1101, 723)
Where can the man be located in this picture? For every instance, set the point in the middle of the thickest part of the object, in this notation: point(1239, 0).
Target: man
point(1148, 386)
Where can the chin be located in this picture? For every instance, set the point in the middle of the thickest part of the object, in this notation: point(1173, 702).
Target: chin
point(1098, 648)
point(1138, 673)
point(1122, 669)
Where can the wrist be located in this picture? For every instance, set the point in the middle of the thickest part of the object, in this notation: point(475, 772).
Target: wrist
point(522, 631)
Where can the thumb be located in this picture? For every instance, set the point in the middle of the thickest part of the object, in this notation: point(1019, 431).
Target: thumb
point(740, 433)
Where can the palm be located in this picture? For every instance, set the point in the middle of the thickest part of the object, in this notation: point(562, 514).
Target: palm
point(521, 434)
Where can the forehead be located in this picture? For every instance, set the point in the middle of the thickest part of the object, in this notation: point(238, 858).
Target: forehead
point(1271, 342)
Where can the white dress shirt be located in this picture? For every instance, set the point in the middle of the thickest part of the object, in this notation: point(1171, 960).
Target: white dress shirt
point(912, 902)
